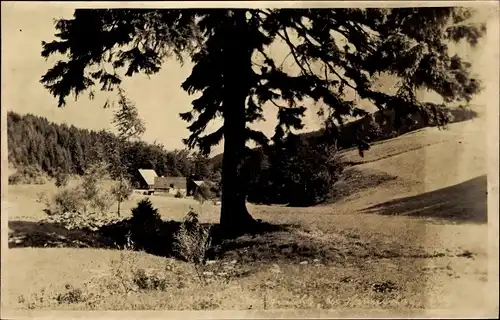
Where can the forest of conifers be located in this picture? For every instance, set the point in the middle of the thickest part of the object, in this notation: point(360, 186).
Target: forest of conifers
point(299, 171)
point(34, 141)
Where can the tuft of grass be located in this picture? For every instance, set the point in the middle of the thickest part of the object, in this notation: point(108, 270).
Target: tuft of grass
point(150, 281)
point(72, 295)
point(193, 240)
point(67, 296)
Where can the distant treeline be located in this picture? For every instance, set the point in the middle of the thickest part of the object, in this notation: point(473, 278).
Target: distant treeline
point(58, 148)
point(299, 171)
point(294, 170)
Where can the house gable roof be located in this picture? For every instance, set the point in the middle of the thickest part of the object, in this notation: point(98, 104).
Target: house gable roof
point(199, 182)
point(148, 175)
point(208, 183)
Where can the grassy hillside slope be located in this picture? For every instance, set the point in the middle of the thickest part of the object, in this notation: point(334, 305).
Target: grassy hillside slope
point(436, 164)
point(335, 256)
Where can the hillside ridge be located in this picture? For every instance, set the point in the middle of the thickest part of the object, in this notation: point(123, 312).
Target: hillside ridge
point(425, 163)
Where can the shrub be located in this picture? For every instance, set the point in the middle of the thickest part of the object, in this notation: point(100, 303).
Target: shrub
point(374, 131)
point(193, 241)
point(90, 181)
point(68, 200)
point(203, 193)
point(145, 214)
point(462, 113)
point(149, 281)
point(122, 190)
point(28, 175)
point(306, 173)
point(61, 179)
point(299, 171)
point(145, 224)
point(86, 206)
point(179, 194)
point(102, 201)
point(70, 211)
point(15, 178)
point(126, 277)
point(98, 198)
point(47, 298)
point(72, 295)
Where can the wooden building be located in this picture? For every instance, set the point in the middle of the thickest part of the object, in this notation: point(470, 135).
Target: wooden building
point(146, 179)
point(170, 185)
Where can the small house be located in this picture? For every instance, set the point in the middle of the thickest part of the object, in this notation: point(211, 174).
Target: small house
point(171, 185)
point(191, 186)
point(194, 185)
point(146, 178)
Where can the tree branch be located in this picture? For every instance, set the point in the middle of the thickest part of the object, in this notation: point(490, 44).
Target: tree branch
point(281, 65)
point(332, 69)
point(277, 105)
point(292, 49)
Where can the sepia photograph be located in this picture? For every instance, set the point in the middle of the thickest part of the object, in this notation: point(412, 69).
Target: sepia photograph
point(283, 159)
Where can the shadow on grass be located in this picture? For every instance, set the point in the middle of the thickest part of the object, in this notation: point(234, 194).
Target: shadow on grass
point(271, 244)
point(464, 202)
point(280, 247)
point(114, 236)
point(162, 241)
point(37, 234)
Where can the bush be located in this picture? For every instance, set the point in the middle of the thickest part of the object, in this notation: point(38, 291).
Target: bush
point(179, 195)
point(145, 214)
point(149, 281)
point(69, 210)
point(121, 191)
point(203, 193)
point(126, 277)
point(374, 131)
point(28, 175)
point(86, 206)
point(61, 179)
point(145, 224)
point(68, 200)
point(15, 178)
point(72, 295)
point(193, 241)
point(462, 113)
point(297, 172)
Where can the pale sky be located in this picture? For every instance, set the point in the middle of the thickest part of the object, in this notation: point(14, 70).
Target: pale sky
point(159, 99)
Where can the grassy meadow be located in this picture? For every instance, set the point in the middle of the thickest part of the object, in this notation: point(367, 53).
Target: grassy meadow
point(408, 231)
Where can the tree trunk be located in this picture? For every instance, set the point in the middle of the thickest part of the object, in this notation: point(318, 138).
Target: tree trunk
point(119, 202)
point(235, 218)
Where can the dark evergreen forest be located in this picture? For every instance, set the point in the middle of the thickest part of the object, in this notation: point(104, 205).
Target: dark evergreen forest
point(58, 148)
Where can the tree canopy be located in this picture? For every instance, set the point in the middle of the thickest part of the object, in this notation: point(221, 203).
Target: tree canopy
point(335, 50)
point(100, 42)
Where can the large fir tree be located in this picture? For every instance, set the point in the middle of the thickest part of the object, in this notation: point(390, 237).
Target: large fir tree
point(236, 74)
